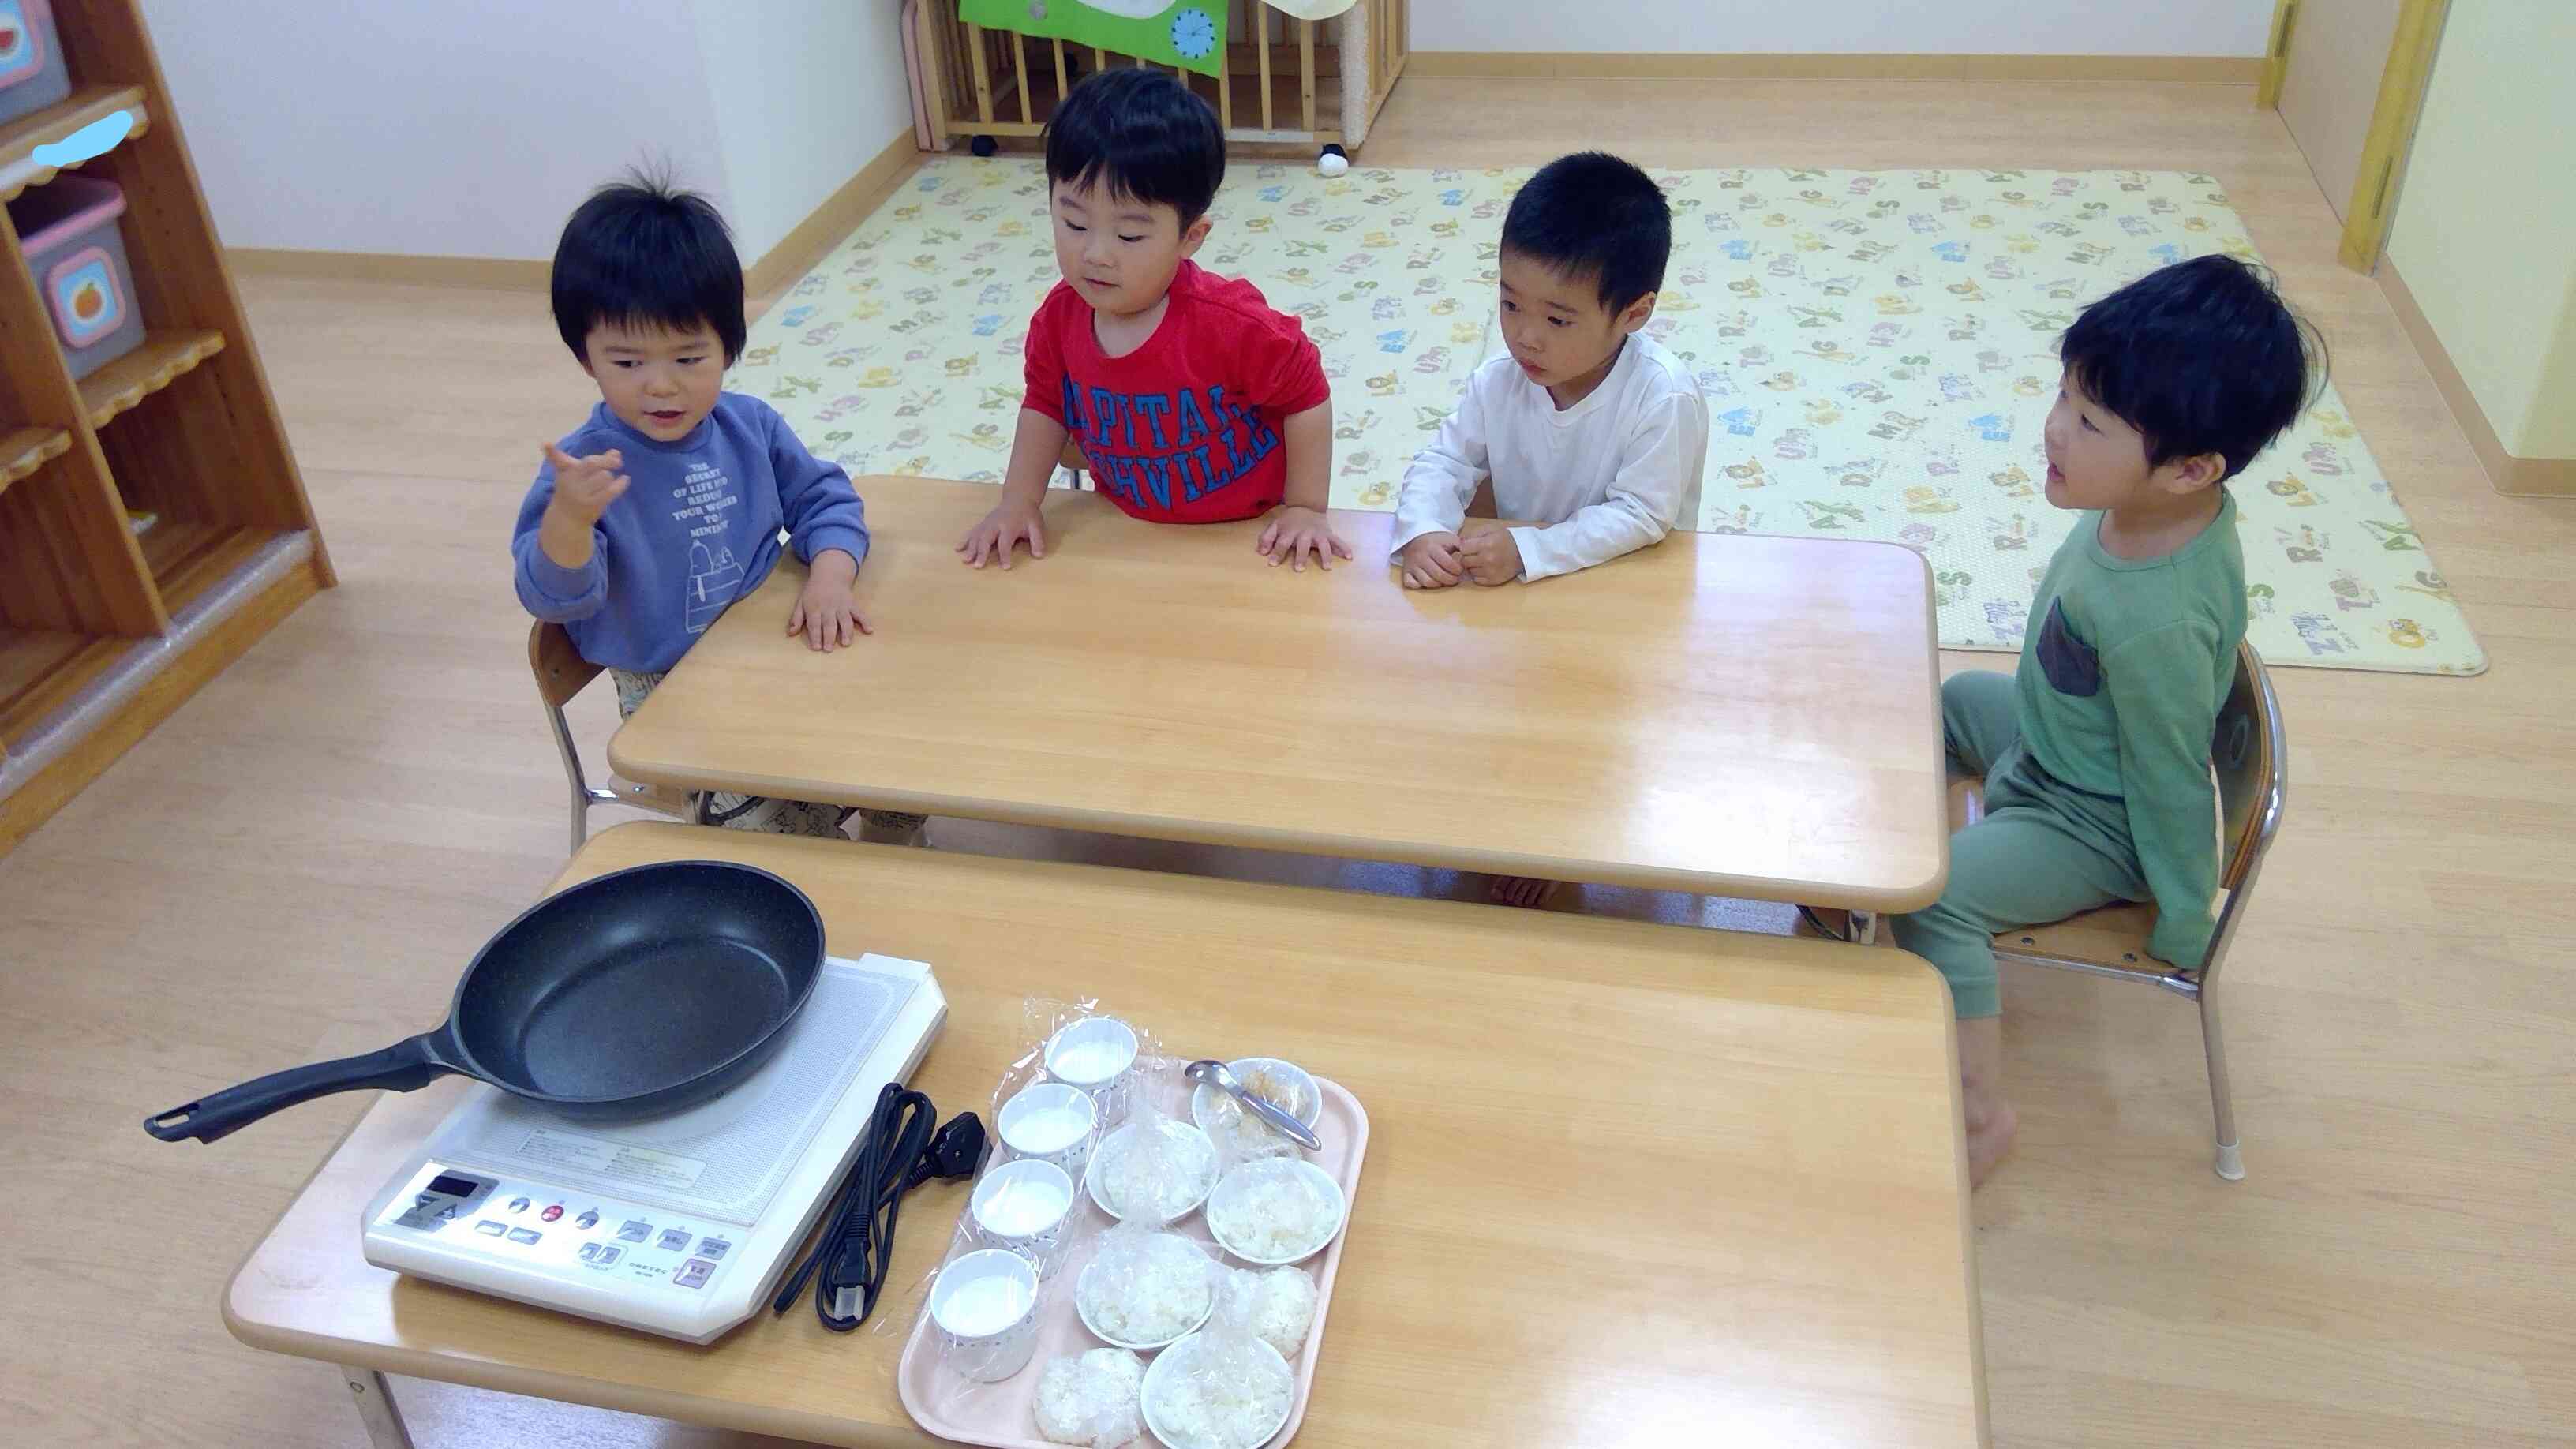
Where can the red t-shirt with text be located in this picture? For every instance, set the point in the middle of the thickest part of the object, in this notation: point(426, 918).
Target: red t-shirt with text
point(1184, 429)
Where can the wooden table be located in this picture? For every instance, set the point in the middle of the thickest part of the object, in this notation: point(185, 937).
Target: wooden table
point(1752, 717)
point(1627, 1185)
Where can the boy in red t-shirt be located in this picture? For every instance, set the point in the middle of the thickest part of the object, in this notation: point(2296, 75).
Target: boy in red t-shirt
point(1192, 399)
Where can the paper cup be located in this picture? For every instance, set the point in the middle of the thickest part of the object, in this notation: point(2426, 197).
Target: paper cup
point(985, 1307)
point(1051, 1122)
point(1096, 1054)
point(1022, 1207)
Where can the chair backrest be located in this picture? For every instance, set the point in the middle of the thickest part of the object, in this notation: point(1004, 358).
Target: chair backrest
point(2253, 766)
point(561, 671)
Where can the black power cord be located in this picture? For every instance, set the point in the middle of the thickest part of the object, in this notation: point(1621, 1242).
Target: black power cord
point(856, 1248)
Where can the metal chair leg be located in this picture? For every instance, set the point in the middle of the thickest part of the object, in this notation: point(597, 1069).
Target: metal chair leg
point(376, 1408)
point(2230, 1165)
point(573, 776)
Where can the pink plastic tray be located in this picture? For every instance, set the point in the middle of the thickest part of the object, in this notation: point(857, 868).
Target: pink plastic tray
point(1004, 1415)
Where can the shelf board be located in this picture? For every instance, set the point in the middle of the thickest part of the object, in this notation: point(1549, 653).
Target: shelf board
point(19, 168)
point(41, 668)
point(187, 558)
point(144, 371)
point(24, 450)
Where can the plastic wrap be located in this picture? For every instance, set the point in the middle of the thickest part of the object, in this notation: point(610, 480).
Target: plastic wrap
point(1223, 1387)
point(1278, 1302)
point(1146, 1287)
point(1275, 1210)
point(1090, 1398)
point(1155, 1169)
point(1094, 1115)
point(1238, 1133)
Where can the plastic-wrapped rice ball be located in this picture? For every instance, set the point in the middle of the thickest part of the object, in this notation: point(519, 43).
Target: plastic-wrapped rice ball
point(1278, 1303)
point(1147, 1291)
point(1090, 1398)
point(1224, 1400)
point(1162, 1169)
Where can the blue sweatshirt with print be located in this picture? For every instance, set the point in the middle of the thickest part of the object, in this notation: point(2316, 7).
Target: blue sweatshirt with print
point(697, 527)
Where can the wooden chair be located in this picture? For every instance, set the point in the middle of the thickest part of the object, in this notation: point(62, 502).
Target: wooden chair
point(2252, 764)
point(561, 675)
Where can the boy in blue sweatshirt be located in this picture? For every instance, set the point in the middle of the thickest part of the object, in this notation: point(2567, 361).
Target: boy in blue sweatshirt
point(666, 504)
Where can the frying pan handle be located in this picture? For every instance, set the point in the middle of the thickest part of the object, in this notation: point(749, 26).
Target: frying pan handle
point(403, 1067)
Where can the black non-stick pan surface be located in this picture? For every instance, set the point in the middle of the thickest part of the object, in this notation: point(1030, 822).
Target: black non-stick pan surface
point(637, 992)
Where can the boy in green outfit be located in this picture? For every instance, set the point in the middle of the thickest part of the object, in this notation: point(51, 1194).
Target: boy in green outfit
point(2095, 750)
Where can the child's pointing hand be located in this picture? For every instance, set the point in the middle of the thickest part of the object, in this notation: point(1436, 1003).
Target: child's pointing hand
point(584, 487)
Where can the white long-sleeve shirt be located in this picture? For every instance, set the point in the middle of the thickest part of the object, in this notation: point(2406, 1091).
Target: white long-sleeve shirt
point(1607, 476)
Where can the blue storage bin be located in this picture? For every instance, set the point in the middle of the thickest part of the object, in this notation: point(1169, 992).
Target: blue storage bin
point(32, 76)
point(68, 230)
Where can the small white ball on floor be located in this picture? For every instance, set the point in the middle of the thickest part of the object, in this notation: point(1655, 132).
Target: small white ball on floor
point(1332, 165)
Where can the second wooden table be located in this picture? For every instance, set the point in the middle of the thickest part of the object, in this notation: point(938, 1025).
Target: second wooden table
point(1738, 716)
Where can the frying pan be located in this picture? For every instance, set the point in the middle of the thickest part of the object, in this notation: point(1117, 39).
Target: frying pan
point(647, 989)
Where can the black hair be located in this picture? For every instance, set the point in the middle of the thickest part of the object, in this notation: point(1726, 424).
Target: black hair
point(1144, 135)
point(1593, 215)
point(643, 253)
point(2200, 357)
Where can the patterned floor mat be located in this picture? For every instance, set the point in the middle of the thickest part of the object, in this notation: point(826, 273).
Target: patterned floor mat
point(1877, 349)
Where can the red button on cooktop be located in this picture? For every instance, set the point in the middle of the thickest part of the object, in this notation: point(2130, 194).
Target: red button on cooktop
point(552, 1213)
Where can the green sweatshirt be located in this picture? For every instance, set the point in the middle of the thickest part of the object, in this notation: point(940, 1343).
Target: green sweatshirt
point(2123, 670)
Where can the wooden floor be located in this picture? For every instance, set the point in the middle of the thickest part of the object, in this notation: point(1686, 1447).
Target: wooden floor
point(300, 861)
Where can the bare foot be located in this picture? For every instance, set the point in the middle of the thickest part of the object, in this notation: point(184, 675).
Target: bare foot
point(1989, 1142)
point(1989, 1119)
point(1521, 890)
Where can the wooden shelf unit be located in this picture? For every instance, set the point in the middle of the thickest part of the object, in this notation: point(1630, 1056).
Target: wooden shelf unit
point(103, 632)
point(86, 105)
point(24, 450)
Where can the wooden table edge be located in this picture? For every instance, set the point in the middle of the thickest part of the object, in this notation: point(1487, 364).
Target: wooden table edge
point(1889, 899)
point(671, 1407)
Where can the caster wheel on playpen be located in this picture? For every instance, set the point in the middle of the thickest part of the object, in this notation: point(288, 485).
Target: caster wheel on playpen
point(1333, 162)
point(983, 146)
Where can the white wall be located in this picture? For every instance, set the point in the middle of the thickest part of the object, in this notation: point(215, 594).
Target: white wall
point(461, 128)
point(2485, 216)
point(471, 128)
point(805, 93)
point(1953, 27)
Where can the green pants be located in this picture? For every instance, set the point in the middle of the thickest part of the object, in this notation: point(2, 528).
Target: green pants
point(2044, 851)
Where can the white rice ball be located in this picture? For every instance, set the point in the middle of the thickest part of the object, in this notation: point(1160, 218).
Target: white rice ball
point(1160, 1170)
point(1222, 1399)
point(1283, 1306)
point(1090, 1398)
point(1151, 1293)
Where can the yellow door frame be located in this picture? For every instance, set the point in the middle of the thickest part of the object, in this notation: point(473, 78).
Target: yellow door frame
point(2392, 118)
point(2276, 57)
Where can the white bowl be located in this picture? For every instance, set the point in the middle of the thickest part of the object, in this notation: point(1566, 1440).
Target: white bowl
point(1118, 1142)
point(1249, 1175)
point(1206, 1101)
point(1083, 1310)
point(1173, 1361)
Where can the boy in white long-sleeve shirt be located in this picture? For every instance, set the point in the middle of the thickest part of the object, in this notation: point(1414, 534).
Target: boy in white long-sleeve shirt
point(1585, 427)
